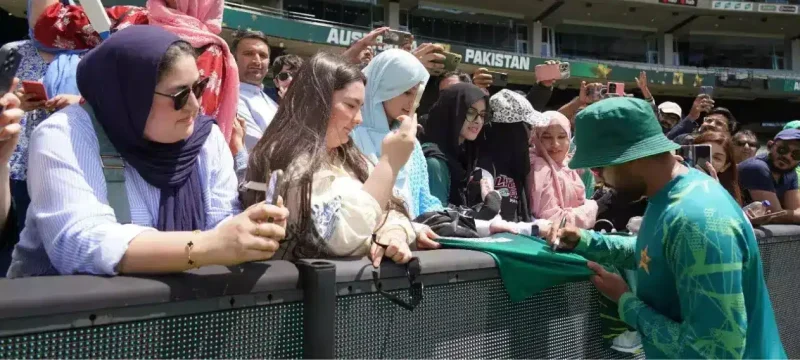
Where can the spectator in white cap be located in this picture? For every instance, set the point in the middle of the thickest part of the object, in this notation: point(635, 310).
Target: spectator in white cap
point(669, 113)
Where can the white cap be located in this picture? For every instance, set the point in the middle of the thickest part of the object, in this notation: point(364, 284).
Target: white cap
point(669, 107)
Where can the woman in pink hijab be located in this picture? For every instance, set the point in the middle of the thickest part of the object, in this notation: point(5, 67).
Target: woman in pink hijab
point(198, 22)
point(556, 191)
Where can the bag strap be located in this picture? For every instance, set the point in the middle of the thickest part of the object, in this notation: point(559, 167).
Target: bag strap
point(113, 171)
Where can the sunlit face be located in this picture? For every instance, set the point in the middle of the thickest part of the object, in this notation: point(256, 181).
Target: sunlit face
point(555, 141)
point(476, 116)
point(252, 57)
point(715, 122)
point(744, 147)
point(785, 155)
point(719, 158)
point(365, 56)
point(448, 82)
point(165, 124)
point(345, 114)
point(401, 104)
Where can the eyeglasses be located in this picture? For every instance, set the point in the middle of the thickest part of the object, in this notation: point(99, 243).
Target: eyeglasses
point(415, 288)
point(285, 76)
point(743, 143)
point(472, 115)
point(785, 149)
point(182, 96)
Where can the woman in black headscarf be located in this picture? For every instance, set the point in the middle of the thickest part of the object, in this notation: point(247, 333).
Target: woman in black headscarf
point(135, 180)
point(450, 142)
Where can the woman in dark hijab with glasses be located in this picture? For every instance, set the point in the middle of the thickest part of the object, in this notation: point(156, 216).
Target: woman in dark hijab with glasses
point(450, 146)
point(134, 180)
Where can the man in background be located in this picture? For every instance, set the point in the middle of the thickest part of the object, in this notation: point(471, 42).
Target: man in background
point(256, 108)
point(772, 177)
point(669, 114)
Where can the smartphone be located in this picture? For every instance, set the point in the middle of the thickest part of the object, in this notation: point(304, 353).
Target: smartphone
point(397, 37)
point(770, 215)
point(547, 72)
point(274, 187)
point(696, 155)
point(36, 88)
point(451, 61)
point(498, 78)
point(615, 89)
point(707, 90)
point(9, 64)
point(596, 93)
point(565, 70)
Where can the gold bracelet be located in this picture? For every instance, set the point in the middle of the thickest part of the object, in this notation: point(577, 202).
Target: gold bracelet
point(189, 247)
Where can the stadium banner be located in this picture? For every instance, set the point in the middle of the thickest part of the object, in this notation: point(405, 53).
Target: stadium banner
point(521, 64)
point(680, 2)
point(778, 8)
point(733, 5)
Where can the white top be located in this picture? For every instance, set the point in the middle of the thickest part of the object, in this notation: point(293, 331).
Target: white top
point(257, 110)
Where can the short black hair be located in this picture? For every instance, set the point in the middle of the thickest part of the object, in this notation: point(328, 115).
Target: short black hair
point(747, 133)
point(247, 34)
point(462, 76)
point(733, 126)
point(294, 62)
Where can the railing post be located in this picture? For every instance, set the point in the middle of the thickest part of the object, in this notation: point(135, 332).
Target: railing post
point(318, 279)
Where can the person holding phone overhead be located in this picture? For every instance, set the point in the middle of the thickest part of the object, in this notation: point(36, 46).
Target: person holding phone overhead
point(135, 180)
point(700, 291)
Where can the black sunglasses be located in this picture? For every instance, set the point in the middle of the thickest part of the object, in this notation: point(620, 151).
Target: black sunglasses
point(784, 149)
point(742, 143)
point(182, 96)
point(285, 76)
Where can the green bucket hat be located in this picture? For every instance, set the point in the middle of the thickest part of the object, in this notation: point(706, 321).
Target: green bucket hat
point(616, 131)
point(794, 124)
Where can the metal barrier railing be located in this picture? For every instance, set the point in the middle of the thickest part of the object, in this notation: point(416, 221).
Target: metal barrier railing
point(330, 308)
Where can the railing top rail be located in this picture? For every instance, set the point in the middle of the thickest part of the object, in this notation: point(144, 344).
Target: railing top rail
point(47, 295)
point(51, 295)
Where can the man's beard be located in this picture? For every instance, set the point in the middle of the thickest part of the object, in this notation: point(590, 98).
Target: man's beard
point(771, 162)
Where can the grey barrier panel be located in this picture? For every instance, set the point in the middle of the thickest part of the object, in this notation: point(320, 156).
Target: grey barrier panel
point(466, 313)
point(247, 311)
point(780, 253)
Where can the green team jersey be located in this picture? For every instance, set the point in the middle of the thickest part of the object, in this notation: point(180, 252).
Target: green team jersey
point(700, 285)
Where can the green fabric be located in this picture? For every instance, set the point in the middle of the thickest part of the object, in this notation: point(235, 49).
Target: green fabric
point(527, 265)
point(439, 179)
point(113, 170)
point(794, 124)
point(615, 131)
point(588, 181)
point(700, 290)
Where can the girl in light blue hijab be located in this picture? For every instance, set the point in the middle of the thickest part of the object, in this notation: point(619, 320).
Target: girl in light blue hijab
point(393, 79)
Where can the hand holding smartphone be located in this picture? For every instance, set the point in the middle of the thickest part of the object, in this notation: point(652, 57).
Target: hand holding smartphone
point(36, 89)
point(498, 78)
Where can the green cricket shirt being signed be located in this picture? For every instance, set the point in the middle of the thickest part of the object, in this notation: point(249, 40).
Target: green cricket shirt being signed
point(700, 286)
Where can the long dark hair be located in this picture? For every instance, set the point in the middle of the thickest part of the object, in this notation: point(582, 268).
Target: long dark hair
point(729, 179)
point(297, 133)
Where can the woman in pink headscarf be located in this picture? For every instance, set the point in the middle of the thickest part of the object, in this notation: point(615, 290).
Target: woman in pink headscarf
point(198, 22)
point(556, 191)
